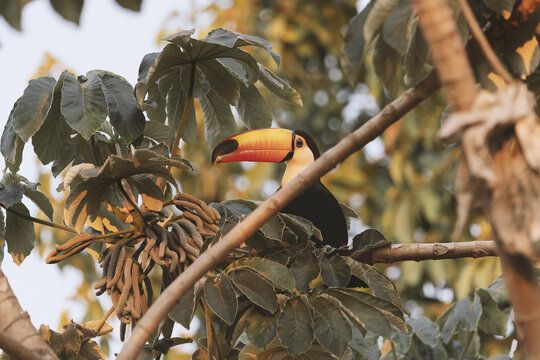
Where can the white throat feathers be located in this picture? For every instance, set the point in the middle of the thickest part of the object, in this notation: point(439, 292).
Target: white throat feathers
point(300, 160)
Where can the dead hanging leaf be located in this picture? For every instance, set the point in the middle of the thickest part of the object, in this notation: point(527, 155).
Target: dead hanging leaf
point(500, 169)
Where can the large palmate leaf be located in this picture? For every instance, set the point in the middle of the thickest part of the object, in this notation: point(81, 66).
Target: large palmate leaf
point(87, 195)
point(14, 185)
point(126, 118)
point(83, 105)
point(33, 107)
point(20, 233)
point(305, 268)
point(217, 72)
point(50, 140)
point(219, 121)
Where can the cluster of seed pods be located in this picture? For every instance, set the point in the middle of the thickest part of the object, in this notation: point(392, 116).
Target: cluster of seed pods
point(170, 243)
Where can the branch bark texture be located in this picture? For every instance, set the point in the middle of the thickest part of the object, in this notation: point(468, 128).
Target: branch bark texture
point(353, 142)
point(442, 35)
point(435, 251)
point(16, 326)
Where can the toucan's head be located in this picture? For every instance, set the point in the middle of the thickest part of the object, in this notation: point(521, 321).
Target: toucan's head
point(269, 145)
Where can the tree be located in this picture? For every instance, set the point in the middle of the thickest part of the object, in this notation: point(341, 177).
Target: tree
point(122, 149)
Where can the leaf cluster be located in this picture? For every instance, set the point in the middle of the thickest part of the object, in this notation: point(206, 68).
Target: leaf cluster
point(286, 295)
point(391, 29)
point(218, 73)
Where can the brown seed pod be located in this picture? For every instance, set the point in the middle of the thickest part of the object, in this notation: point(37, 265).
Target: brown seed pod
point(192, 230)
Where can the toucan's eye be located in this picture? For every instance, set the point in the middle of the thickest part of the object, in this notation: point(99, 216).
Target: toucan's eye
point(299, 143)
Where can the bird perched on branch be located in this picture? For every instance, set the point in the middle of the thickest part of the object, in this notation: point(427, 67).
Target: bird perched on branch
point(298, 150)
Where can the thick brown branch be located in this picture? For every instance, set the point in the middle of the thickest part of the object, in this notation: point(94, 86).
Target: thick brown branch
point(435, 251)
point(441, 33)
point(16, 323)
point(353, 142)
point(15, 349)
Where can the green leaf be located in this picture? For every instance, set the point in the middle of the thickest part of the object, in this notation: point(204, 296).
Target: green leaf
point(305, 268)
point(51, 138)
point(133, 5)
point(381, 286)
point(415, 56)
point(360, 312)
point(176, 103)
point(33, 107)
point(20, 233)
point(84, 106)
point(253, 108)
point(279, 275)
point(157, 131)
point(261, 327)
point(124, 114)
point(12, 145)
point(493, 320)
point(391, 311)
point(367, 241)
point(10, 194)
point(302, 228)
point(221, 298)
point(218, 119)
point(331, 328)
point(221, 80)
point(396, 27)
point(11, 11)
point(385, 63)
point(256, 288)
point(234, 39)
point(145, 65)
point(334, 271)
point(183, 311)
point(426, 330)
point(294, 327)
point(465, 315)
point(68, 9)
point(40, 199)
point(279, 87)
point(364, 27)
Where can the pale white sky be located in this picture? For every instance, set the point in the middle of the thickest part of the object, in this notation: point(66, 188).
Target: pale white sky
point(109, 38)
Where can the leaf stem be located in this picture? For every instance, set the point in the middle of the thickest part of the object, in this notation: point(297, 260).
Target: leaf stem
point(39, 221)
point(131, 202)
point(208, 327)
point(104, 319)
point(464, 352)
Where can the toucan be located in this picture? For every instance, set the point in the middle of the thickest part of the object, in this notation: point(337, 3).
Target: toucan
point(298, 150)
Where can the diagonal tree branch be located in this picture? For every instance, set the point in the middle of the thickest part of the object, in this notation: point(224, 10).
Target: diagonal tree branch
point(353, 142)
point(18, 335)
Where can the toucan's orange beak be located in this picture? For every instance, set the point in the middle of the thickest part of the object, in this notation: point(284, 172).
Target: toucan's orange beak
point(262, 145)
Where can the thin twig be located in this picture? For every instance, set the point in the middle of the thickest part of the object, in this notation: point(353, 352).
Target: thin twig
point(208, 320)
point(39, 221)
point(483, 42)
point(104, 319)
point(131, 202)
point(464, 352)
point(207, 260)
